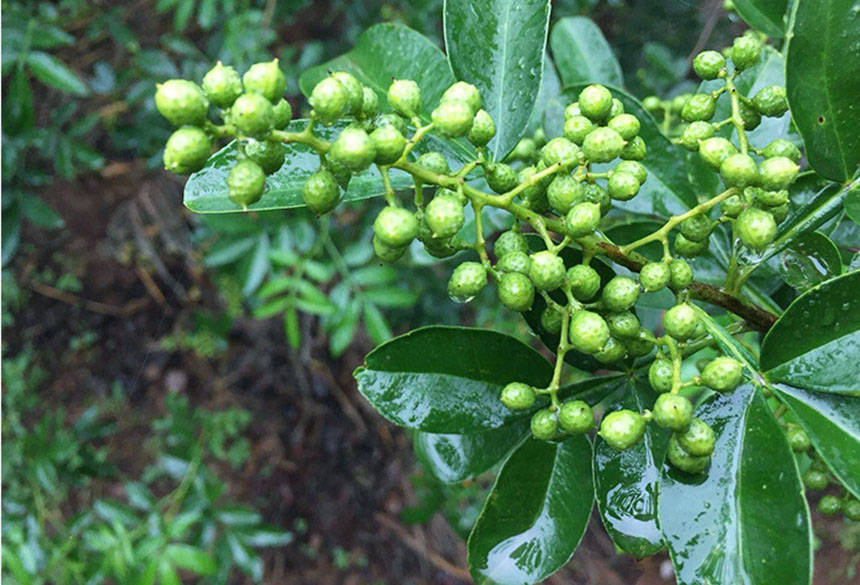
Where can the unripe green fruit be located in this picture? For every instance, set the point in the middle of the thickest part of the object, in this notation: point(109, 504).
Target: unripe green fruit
point(453, 118)
point(830, 505)
point(684, 461)
point(539, 137)
point(387, 253)
point(354, 91)
point(391, 120)
point(321, 192)
point(699, 107)
point(733, 206)
point(639, 346)
point(525, 150)
point(623, 186)
point(266, 79)
point(222, 85)
point(388, 143)
point(851, 510)
point(547, 270)
point(673, 412)
point(697, 227)
point(576, 128)
point(722, 374)
point(624, 325)
point(635, 149)
point(444, 215)
point(483, 129)
point(699, 438)
point(369, 103)
point(749, 116)
point(404, 97)
point(515, 262)
point(708, 64)
point(620, 294)
point(588, 331)
point(768, 199)
point(622, 429)
point(745, 52)
point(500, 177)
point(756, 228)
point(680, 321)
point(544, 424)
point(467, 280)
point(779, 213)
point(627, 125)
point(269, 154)
point(715, 150)
point(533, 189)
point(777, 173)
point(582, 219)
point(181, 102)
point(660, 375)
point(815, 480)
point(329, 99)
point(187, 150)
point(575, 417)
point(798, 440)
point(652, 103)
point(518, 396)
point(617, 108)
point(739, 170)
point(595, 102)
point(612, 351)
point(516, 291)
point(688, 248)
point(353, 148)
point(560, 150)
point(771, 101)
point(551, 320)
point(252, 115)
point(681, 273)
point(435, 162)
point(633, 168)
point(509, 242)
point(781, 147)
point(584, 282)
point(282, 113)
point(695, 133)
point(679, 101)
point(655, 276)
point(440, 247)
point(245, 183)
point(571, 110)
point(597, 194)
point(602, 145)
point(465, 92)
point(563, 193)
point(395, 226)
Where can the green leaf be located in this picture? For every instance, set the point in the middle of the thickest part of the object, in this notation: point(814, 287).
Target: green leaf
point(745, 519)
point(625, 482)
point(499, 46)
point(810, 260)
point(822, 89)
point(258, 267)
point(535, 514)
point(852, 205)
point(448, 379)
point(815, 344)
point(18, 108)
point(376, 325)
point(728, 344)
point(768, 16)
point(53, 72)
point(391, 297)
point(453, 458)
point(582, 54)
point(40, 213)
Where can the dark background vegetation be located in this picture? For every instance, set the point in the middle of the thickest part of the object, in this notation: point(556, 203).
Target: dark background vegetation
point(151, 409)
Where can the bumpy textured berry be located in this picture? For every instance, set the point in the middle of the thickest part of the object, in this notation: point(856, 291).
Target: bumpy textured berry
point(282, 113)
point(830, 505)
point(571, 110)
point(252, 114)
point(588, 331)
point(584, 281)
point(547, 270)
point(617, 108)
point(518, 396)
point(768, 198)
point(467, 280)
point(635, 149)
point(688, 248)
point(749, 116)
point(544, 424)
point(627, 125)
point(369, 103)
point(613, 350)
point(560, 150)
point(695, 133)
point(453, 118)
point(245, 183)
point(699, 438)
point(563, 193)
point(354, 91)
point(329, 99)
point(516, 291)
point(684, 461)
point(266, 79)
point(385, 252)
point(533, 189)
point(660, 375)
point(500, 177)
point(395, 226)
point(697, 227)
point(815, 480)
point(679, 101)
point(602, 145)
point(483, 129)
point(525, 150)
point(722, 374)
point(739, 170)
point(680, 321)
point(652, 103)
point(186, 150)
point(508, 242)
point(181, 102)
point(576, 128)
point(622, 186)
point(851, 509)
point(715, 150)
point(634, 168)
point(798, 440)
point(620, 294)
point(622, 429)
point(779, 212)
point(404, 97)
point(222, 85)
point(707, 64)
point(778, 172)
point(444, 215)
point(391, 120)
point(595, 102)
point(597, 194)
point(353, 148)
point(700, 107)
point(781, 147)
point(655, 276)
point(269, 154)
point(638, 346)
point(466, 92)
point(321, 192)
point(582, 219)
point(575, 417)
point(732, 206)
point(745, 52)
point(388, 143)
point(623, 325)
point(682, 273)
point(551, 320)
point(756, 228)
point(515, 262)
point(771, 101)
point(672, 411)
point(435, 162)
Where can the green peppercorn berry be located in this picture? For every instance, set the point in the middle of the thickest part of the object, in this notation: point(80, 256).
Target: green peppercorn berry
point(634, 168)
point(778, 172)
point(544, 424)
point(695, 133)
point(516, 291)
point(547, 270)
point(395, 226)
point(620, 294)
point(627, 125)
point(622, 429)
point(767, 198)
point(771, 101)
point(560, 150)
point(525, 150)
point(699, 438)
point(818, 464)
point(722, 374)
point(688, 248)
point(435, 162)
point(187, 150)
point(518, 396)
point(681, 273)
point(624, 325)
point(597, 194)
point(404, 97)
point(181, 102)
point(779, 213)
point(483, 129)
point(830, 505)
point(551, 321)
point(269, 154)
point(539, 137)
point(673, 412)
point(532, 189)
point(467, 280)
point(222, 85)
point(617, 108)
point(708, 64)
point(749, 116)
point(466, 92)
point(756, 228)
point(679, 101)
point(697, 228)
point(602, 145)
point(252, 114)
point(595, 102)
point(639, 346)
point(623, 186)
point(329, 100)
point(815, 480)
point(321, 192)
point(440, 247)
point(739, 170)
point(699, 107)
point(515, 262)
point(781, 147)
point(353, 148)
point(684, 461)
point(715, 150)
point(733, 206)
point(266, 79)
point(584, 281)
point(576, 128)
point(388, 144)
point(655, 276)
point(282, 113)
point(745, 52)
point(245, 183)
point(369, 103)
point(851, 509)
point(660, 375)
point(500, 177)
point(571, 110)
point(582, 219)
point(613, 351)
point(444, 215)
point(635, 149)
point(508, 242)
point(564, 192)
point(387, 253)
point(798, 440)
point(652, 103)
point(588, 331)
point(680, 321)
point(453, 118)
point(575, 417)
point(391, 120)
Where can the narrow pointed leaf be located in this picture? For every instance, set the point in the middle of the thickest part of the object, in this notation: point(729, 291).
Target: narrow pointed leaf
point(582, 54)
point(768, 16)
point(728, 344)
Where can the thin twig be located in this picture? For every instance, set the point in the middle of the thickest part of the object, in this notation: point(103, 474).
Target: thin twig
point(409, 540)
point(94, 306)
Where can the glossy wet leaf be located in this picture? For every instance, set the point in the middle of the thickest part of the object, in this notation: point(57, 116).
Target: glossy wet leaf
point(810, 260)
point(728, 344)
point(499, 45)
point(626, 482)
point(815, 344)
point(448, 379)
point(822, 88)
point(833, 424)
point(582, 54)
point(535, 514)
point(852, 205)
point(745, 519)
point(768, 16)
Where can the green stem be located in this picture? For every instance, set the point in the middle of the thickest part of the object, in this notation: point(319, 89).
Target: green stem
point(737, 121)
